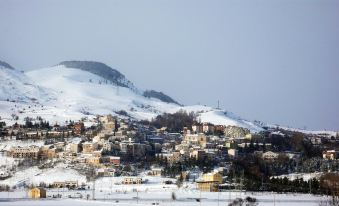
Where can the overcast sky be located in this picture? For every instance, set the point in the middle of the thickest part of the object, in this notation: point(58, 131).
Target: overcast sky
point(275, 61)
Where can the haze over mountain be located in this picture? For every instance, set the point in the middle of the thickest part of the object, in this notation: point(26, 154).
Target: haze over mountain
point(269, 60)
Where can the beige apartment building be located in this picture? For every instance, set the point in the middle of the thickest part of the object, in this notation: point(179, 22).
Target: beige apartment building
point(25, 152)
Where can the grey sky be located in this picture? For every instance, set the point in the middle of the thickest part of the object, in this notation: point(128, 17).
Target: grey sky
point(275, 61)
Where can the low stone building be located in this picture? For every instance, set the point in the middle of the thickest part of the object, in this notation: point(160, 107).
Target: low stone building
point(131, 180)
point(65, 184)
point(155, 172)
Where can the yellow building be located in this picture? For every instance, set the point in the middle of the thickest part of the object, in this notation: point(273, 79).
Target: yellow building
point(36, 193)
point(216, 176)
point(210, 182)
point(94, 161)
point(47, 151)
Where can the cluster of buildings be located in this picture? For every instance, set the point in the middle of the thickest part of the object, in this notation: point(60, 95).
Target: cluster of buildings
point(201, 145)
point(22, 132)
point(114, 141)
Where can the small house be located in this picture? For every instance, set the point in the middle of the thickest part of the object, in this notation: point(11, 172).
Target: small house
point(36, 193)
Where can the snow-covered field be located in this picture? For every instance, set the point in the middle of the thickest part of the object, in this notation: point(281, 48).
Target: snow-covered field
point(34, 175)
point(305, 131)
point(110, 191)
point(163, 198)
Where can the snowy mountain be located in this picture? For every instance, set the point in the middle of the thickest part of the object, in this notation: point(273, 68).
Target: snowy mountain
point(78, 89)
point(102, 70)
point(17, 87)
point(86, 93)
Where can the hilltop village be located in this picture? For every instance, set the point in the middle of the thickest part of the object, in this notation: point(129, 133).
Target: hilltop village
point(178, 147)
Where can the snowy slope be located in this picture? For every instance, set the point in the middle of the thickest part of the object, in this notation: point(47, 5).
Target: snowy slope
point(61, 93)
point(34, 175)
point(84, 92)
point(16, 86)
point(305, 131)
point(220, 117)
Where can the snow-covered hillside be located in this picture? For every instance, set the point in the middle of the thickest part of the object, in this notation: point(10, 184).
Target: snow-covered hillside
point(219, 117)
point(88, 94)
point(16, 86)
point(62, 93)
